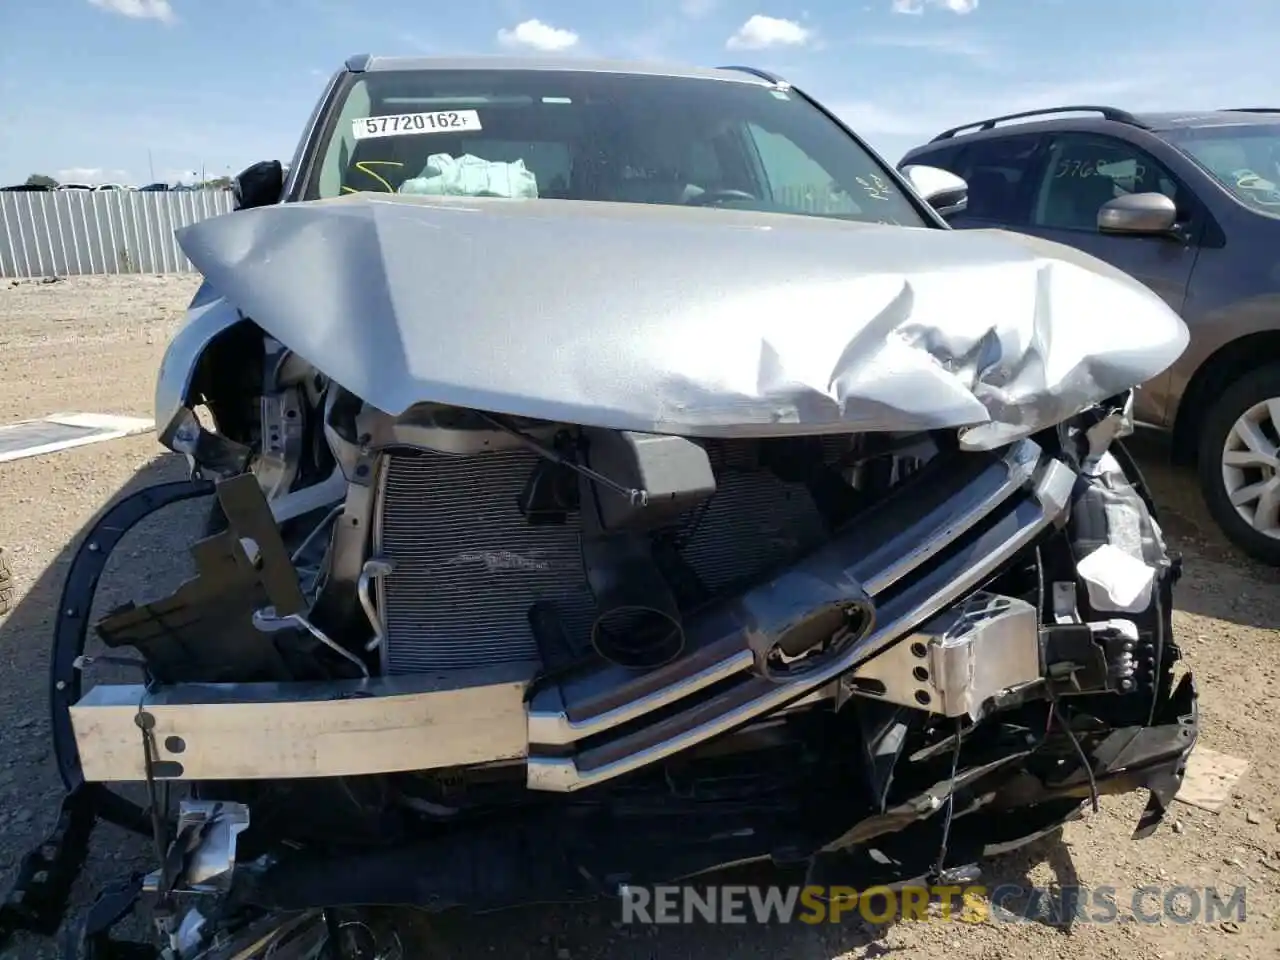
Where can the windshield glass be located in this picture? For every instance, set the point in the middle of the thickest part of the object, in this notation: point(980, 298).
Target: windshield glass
point(1244, 158)
point(599, 136)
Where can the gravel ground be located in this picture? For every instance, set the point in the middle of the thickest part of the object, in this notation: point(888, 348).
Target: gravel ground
point(93, 344)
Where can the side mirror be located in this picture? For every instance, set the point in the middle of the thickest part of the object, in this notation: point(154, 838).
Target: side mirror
point(941, 189)
point(1138, 213)
point(259, 185)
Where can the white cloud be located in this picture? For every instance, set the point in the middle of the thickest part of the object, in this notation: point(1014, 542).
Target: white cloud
point(538, 36)
point(955, 46)
point(91, 175)
point(916, 7)
point(79, 175)
point(760, 32)
point(139, 9)
point(695, 9)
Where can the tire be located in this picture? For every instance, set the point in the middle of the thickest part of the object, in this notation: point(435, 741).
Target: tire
point(6, 585)
point(1244, 400)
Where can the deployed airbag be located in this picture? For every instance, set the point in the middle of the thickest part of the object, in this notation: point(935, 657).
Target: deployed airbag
point(468, 176)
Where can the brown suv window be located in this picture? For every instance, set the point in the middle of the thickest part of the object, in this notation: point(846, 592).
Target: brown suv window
point(1084, 171)
point(995, 171)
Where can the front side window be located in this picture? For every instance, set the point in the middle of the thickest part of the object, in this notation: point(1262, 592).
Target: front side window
point(582, 135)
point(997, 171)
point(1243, 158)
point(1084, 171)
point(797, 182)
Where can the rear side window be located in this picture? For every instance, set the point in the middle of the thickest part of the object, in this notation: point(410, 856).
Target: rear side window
point(998, 173)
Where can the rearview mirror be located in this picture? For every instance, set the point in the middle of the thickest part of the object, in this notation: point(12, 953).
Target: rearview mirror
point(259, 185)
point(941, 189)
point(1142, 213)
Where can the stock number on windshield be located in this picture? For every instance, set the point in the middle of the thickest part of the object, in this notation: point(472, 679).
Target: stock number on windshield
point(403, 124)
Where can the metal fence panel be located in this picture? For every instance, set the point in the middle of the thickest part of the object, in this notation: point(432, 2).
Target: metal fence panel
point(71, 232)
point(74, 232)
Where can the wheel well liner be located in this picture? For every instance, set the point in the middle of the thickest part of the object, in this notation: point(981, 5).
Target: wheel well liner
point(1222, 367)
point(228, 379)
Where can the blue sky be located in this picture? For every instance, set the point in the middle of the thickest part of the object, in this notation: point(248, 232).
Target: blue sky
point(90, 86)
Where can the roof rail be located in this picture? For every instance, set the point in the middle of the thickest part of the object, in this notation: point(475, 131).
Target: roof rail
point(1251, 110)
point(1108, 113)
point(358, 63)
point(756, 72)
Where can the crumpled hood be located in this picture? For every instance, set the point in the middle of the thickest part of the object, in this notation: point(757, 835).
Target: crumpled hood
point(684, 320)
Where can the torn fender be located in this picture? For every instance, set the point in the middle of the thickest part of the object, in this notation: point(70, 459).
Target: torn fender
point(685, 320)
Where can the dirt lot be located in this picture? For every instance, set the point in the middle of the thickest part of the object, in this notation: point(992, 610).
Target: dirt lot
point(93, 344)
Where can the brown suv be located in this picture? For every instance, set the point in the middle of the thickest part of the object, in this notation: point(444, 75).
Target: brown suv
point(1189, 204)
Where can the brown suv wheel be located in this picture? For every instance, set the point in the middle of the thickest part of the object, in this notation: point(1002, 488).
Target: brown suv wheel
point(1239, 462)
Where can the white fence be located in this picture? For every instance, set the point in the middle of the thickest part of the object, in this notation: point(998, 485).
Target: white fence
point(70, 232)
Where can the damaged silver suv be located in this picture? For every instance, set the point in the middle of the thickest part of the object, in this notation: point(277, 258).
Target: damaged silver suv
point(621, 472)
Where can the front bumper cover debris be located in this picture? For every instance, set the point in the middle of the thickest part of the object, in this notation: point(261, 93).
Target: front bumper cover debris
point(1133, 758)
point(45, 877)
point(536, 851)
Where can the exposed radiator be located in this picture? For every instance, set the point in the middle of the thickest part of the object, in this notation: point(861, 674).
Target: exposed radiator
point(467, 566)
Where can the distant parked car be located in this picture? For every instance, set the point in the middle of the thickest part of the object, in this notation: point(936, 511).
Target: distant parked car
point(1189, 204)
point(74, 186)
point(154, 188)
point(26, 188)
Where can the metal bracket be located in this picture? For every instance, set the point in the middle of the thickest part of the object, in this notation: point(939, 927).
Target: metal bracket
point(205, 450)
point(91, 938)
point(202, 857)
point(249, 515)
point(953, 664)
point(38, 899)
point(277, 466)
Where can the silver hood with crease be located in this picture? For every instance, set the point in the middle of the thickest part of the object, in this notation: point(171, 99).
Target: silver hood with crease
point(687, 321)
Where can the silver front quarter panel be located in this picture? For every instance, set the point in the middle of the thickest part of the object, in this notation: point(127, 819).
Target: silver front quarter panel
point(208, 317)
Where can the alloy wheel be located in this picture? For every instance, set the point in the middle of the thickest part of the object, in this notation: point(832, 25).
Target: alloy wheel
point(1251, 467)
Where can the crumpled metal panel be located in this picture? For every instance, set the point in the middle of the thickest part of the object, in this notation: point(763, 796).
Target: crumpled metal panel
point(684, 320)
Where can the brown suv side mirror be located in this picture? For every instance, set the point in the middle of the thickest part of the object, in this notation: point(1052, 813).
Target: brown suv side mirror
point(1138, 213)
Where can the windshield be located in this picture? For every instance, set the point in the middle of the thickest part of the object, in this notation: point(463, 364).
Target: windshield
point(583, 135)
point(1245, 159)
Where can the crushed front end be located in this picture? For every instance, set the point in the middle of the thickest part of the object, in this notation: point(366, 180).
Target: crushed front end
point(556, 661)
point(811, 543)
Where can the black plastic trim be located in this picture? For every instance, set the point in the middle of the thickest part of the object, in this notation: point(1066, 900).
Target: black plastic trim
point(71, 629)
